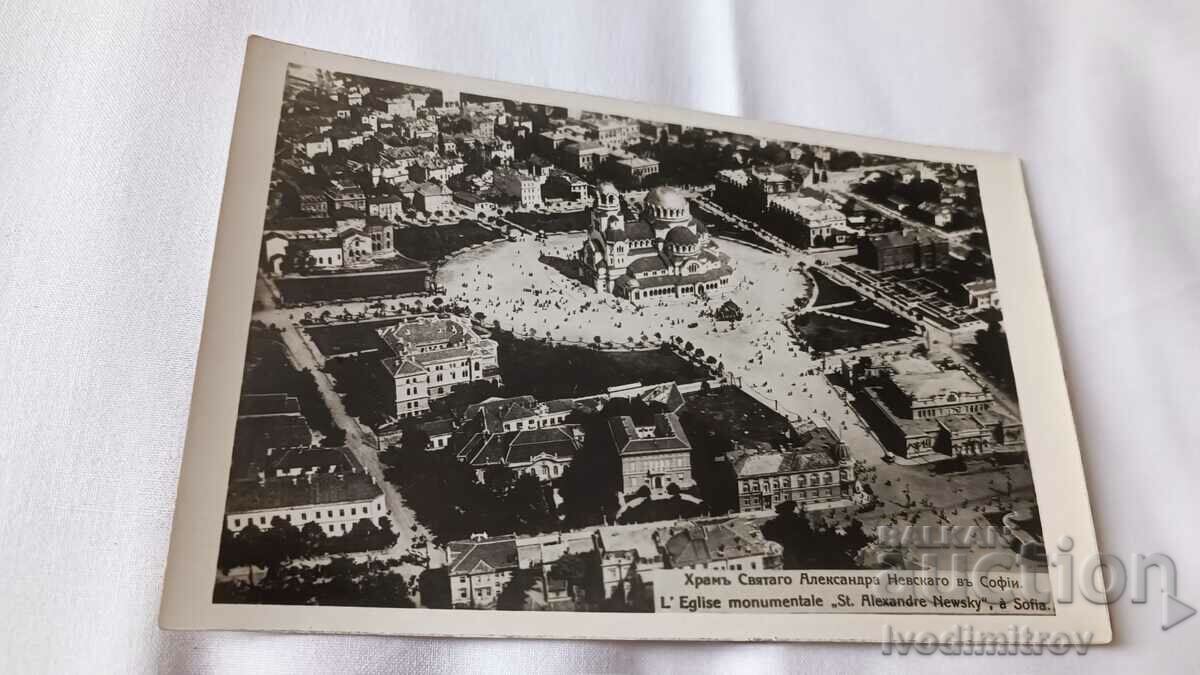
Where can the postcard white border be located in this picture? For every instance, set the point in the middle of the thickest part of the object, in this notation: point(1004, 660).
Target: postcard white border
point(187, 593)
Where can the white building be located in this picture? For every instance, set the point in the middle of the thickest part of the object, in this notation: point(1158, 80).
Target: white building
point(520, 185)
point(432, 356)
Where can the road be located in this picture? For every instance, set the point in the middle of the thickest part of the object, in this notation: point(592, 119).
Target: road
point(359, 441)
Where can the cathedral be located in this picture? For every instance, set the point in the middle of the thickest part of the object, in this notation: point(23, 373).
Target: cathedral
point(666, 253)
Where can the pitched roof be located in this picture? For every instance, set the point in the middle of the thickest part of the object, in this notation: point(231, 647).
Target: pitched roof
point(484, 556)
point(554, 441)
point(667, 436)
point(313, 490)
point(398, 367)
point(268, 404)
point(702, 544)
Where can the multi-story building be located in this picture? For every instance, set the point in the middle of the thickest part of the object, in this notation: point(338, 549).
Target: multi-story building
point(816, 469)
point(585, 155)
point(520, 185)
point(730, 545)
point(335, 502)
point(479, 569)
point(566, 186)
point(666, 253)
point(613, 132)
point(624, 551)
point(315, 144)
point(823, 221)
point(431, 197)
point(433, 354)
point(344, 194)
point(981, 294)
point(521, 434)
point(902, 250)
point(637, 169)
point(919, 414)
point(654, 456)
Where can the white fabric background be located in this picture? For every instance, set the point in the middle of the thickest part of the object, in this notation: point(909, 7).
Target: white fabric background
point(116, 121)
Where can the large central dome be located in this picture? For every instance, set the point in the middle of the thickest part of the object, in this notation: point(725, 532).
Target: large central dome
point(666, 197)
point(666, 204)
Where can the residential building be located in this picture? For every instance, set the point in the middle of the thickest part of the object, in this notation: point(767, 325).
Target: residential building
point(479, 568)
point(432, 355)
point(982, 294)
point(313, 204)
point(563, 185)
point(824, 222)
point(520, 185)
point(625, 550)
point(387, 205)
point(520, 433)
point(315, 144)
point(902, 250)
point(585, 155)
point(431, 198)
point(654, 456)
point(666, 253)
point(612, 132)
point(344, 194)
point(816, 469)
point(731, 545)
point(637, 169)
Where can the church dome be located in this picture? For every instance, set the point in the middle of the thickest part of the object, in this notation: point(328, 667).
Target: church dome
point(666, 204)
point(682, 236)
point(615, 234)
point(667, 198)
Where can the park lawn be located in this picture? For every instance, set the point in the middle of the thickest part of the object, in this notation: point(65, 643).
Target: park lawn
point(367, 389)
point(719, 228)
point(829, 291)
point(736, 415)
point(269, 371)
point(869, 311)
point(549, 371)
point(348, 338)
point(340, 287)
point(437, 242)
point(825, 333)
point(655, 510)
point(551, 222)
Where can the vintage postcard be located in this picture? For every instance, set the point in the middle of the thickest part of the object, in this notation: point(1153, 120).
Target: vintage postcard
point(487, 359)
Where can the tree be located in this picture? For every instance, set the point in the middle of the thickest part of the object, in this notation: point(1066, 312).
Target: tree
point(312, 538)
point(514, 595)
point(297, 260)
point(413, 438)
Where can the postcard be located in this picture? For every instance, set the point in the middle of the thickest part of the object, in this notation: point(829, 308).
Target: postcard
point(482, 359)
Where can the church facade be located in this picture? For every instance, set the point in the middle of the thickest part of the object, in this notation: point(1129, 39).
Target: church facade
point(665, 253)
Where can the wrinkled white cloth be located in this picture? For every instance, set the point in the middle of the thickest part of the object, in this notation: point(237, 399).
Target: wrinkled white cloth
point(116, 121)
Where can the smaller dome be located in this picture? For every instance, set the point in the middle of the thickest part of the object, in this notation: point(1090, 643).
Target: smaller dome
point(682, 236)
point(616, 234)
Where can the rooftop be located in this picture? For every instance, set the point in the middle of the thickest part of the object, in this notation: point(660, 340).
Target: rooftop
point(288, 492)
point(483, 556)
point(928, 385)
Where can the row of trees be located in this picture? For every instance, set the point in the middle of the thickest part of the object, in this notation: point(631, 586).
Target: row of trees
point(268, 371)
point(283, 542)
point(341, 582)
point(807, 546)
point(447, 497)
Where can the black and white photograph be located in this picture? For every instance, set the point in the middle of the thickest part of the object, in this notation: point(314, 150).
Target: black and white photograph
point(505, 354)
